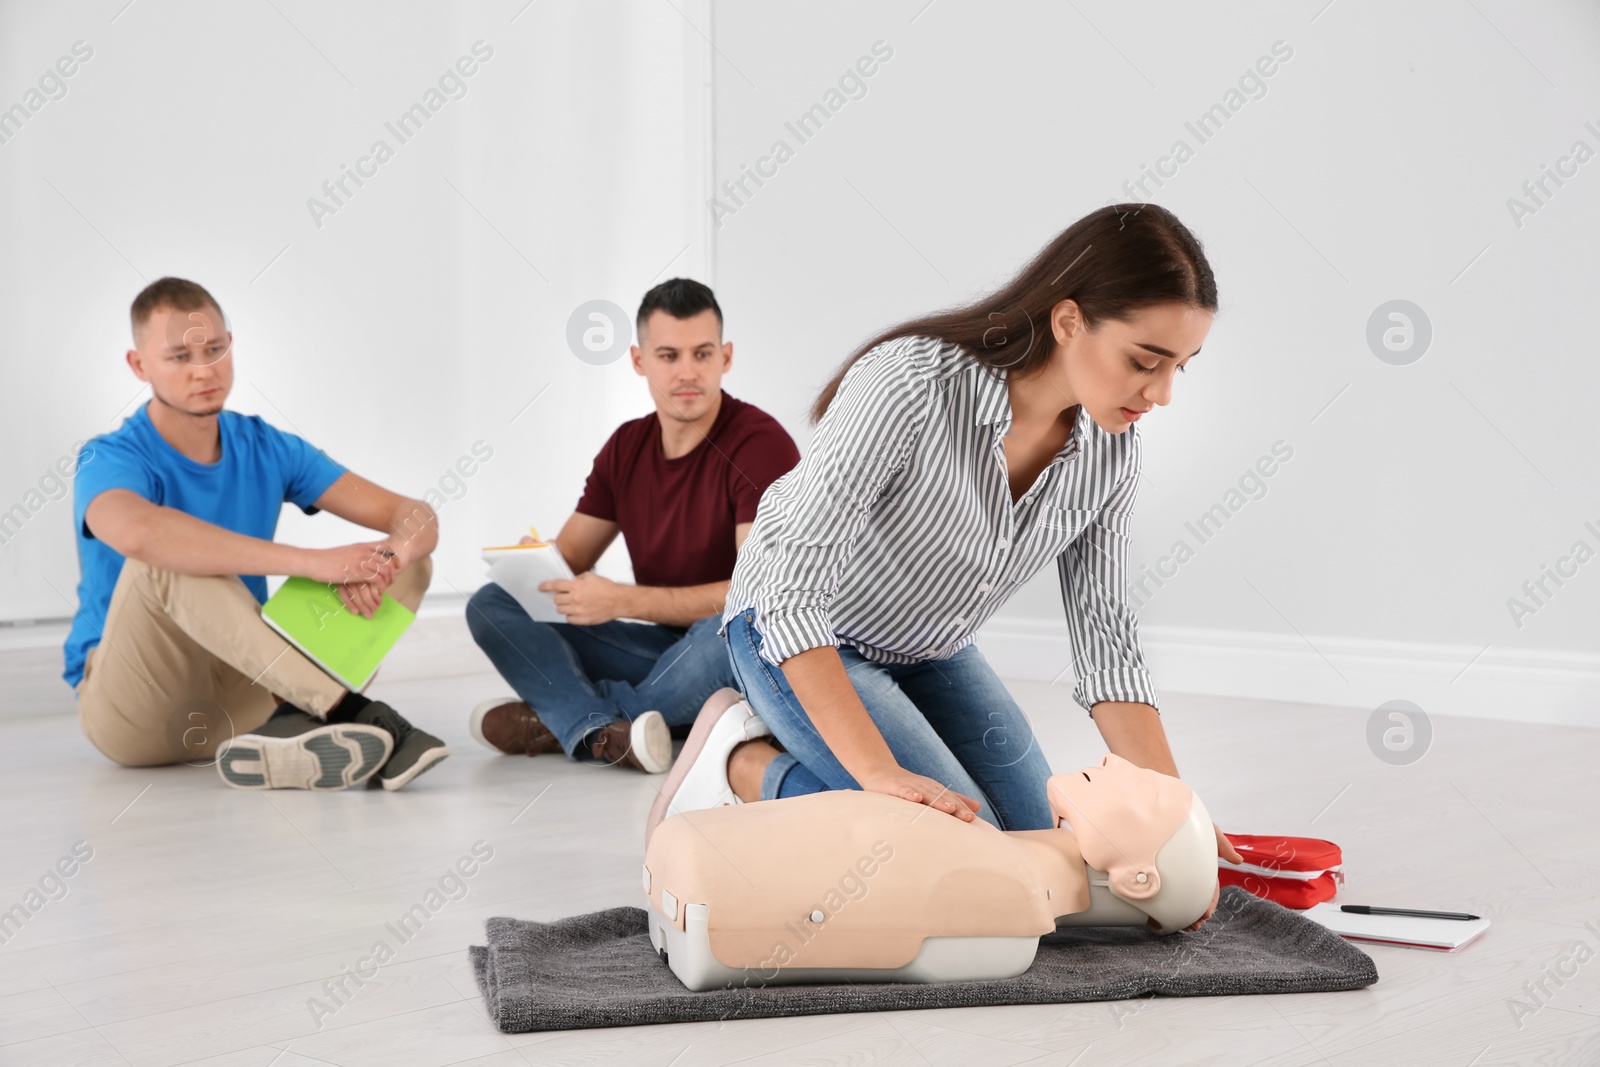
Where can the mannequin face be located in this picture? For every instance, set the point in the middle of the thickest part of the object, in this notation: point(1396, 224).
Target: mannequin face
point(1121, 815)
point(1124, 365)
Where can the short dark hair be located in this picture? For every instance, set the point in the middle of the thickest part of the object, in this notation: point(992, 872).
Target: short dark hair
point(682, 298)
point(174, 293)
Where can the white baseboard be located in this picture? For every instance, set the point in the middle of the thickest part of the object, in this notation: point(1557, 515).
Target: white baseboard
point(33, 633)
point(1524, 685)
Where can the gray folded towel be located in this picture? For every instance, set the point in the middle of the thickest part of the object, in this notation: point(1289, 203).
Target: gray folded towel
point(600, 970)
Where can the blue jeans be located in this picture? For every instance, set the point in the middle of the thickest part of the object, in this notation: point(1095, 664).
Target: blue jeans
point(950, 719)
point(581, 678)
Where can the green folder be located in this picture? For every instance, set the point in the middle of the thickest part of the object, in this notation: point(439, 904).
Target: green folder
point(310, 616)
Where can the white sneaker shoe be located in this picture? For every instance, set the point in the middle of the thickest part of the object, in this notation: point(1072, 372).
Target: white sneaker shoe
point(699, 777)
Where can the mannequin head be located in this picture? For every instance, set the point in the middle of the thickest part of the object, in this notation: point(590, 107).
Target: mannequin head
point(1134, 824)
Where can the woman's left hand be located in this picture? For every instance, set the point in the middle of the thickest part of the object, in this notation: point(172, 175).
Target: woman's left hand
point(1226, 850)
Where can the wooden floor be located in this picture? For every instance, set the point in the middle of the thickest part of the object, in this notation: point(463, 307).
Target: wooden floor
point(207, 921)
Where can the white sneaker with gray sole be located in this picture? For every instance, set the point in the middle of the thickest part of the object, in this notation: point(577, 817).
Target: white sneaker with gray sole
point(699, 776)
point(324, 758)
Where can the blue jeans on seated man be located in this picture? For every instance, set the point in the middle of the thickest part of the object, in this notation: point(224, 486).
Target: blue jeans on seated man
point(578, 679)
point(949, 719)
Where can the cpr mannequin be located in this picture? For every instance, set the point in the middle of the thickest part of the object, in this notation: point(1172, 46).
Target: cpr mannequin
point(851, 885)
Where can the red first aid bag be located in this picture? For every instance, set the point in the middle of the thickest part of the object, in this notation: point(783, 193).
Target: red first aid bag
point(1296, 872)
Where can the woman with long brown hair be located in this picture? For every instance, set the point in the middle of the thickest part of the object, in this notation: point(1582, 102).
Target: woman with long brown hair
point(954, 456)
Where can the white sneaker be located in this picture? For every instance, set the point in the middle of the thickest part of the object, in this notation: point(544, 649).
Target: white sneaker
point(699, 777)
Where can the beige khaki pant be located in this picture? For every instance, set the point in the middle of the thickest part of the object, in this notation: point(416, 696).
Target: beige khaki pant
point(186, 662)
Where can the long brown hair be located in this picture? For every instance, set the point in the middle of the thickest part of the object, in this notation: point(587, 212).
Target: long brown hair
point(1113, 262)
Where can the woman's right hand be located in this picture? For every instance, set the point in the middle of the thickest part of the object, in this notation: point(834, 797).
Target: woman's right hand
point(919, 789)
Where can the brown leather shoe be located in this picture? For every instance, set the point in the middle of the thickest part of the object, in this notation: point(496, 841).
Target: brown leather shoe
point(644, 743)
point(509, 725)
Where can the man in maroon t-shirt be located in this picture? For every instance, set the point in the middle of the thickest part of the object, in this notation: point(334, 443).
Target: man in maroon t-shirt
point(681, 485)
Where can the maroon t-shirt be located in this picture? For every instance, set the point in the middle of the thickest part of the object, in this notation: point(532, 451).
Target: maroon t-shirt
point(677, 515)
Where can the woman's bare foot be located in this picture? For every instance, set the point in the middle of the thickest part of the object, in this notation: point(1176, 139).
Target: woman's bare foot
point(746, 764)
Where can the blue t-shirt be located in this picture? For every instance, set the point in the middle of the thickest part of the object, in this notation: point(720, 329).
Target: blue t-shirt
point(244, 491)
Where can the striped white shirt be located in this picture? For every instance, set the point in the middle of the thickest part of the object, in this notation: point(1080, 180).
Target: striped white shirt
point(896, 534)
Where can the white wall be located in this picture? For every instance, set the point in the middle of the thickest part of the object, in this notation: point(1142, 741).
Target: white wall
point(418, 320)
point(422, 316)
point(1377, 165)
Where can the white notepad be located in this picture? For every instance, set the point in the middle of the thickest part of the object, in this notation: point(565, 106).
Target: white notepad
point(518, 569)
point(1410, 931)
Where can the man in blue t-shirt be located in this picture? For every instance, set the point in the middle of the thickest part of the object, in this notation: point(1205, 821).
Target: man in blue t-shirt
point(174, 517)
